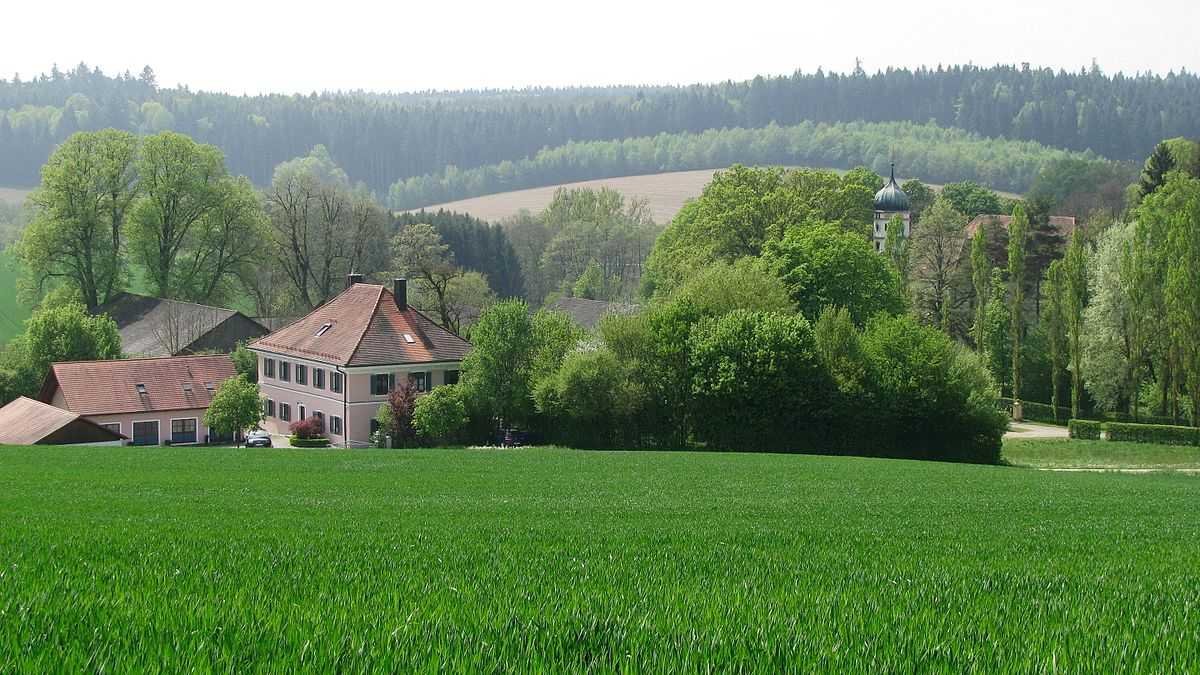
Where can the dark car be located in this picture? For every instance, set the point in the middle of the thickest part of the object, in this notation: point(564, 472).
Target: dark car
point(258, 439)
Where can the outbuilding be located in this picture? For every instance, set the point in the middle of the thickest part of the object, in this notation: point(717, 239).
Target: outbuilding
point(29, 422)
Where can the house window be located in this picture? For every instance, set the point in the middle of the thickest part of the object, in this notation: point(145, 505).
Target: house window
point(420, 381)
point(114, 427)
point(451, 377)
point(268, 367)
point(145, 433)
point(183, 431)
point(285, 412)
point(320, 418)
point(335, 382)
point(301, 374)
point(285, 371)
point(318, 378)
point(301, 412)
point(381, 384)
point(335, 425)
point(269, 407)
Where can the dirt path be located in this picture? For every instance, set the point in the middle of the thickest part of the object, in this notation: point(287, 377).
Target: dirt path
point(1035, 430)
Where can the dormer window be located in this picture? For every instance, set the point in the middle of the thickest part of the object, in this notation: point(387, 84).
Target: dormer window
point(323, 329)
point(141, 389)
point(187, 387)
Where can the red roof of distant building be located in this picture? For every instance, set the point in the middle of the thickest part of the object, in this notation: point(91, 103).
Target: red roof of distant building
point(25, 421)
point(1064, 224)
point(363, 326)
point(138, 385)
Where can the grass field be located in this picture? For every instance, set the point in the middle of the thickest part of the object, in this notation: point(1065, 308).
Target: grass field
point(14, 195)
point(540, 559)
point(12, 312)
point(666, 193)
point(1096, 455)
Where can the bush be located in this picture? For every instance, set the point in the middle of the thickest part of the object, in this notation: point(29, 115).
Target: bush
point(587, 401)
point(758, 383)
point(1140, 419)
point(1085, 429)
point(299, 442)
point(1152, 433)
point(307, 429)
point(441, 415)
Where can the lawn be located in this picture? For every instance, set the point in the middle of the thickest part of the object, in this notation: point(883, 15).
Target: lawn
point(1114, 455)
point(542, 559)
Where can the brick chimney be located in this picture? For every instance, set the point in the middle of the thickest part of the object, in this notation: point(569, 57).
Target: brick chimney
point(353, 278)
point(400, 292)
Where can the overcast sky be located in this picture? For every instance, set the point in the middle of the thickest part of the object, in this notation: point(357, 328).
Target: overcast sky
point(252, 46)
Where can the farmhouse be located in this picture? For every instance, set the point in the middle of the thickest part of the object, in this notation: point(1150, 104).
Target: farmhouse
point(29, 422)
point(151, 401)
point(340, 362)
point(161, 327)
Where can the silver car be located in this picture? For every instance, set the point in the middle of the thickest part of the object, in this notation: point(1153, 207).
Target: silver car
point(258, 439)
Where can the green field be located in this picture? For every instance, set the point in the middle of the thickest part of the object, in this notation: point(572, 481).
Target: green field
point(541, 559)
point(12, 312)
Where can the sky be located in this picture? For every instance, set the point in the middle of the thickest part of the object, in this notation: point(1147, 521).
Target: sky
point(254, 46)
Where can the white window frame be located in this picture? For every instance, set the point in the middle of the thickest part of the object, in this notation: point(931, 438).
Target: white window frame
point(341, 432)
point(157, 429)
point(301, 411)
point(180, 419)
point(106, 425)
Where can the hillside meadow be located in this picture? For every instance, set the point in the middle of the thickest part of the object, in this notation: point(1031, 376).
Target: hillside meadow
point(543, 559)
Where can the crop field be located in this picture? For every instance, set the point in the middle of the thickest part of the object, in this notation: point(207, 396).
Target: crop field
point(665, 192)
point(548, 560)
point(14, 195)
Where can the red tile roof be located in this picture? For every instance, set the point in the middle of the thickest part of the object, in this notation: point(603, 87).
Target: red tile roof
point(111, 387)
point(28, 422)
point(366, 328)
point(1064, 224)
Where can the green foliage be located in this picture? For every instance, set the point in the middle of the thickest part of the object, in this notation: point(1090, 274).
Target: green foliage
point(1085, 429)
point(936, 252)
point(1152, 433)
point(997, 335)
point(971, 199)
point(981, 275)
point(722, 287)
point(588, 401)
point(823, 265)
point(918, 375)
point(245, 362)
point(758, 383)
point(476, 246)
point(592, 284)
point(236, 406)
point(481, 545)
point(298, 442)
point(1018, 234)
point(920, 197)
point(1075, 297)
point(63, 333)
point(1183, 277)
point(440, 416)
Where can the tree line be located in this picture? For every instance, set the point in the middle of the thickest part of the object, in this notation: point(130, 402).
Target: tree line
point(380, 139)
point(936, 154)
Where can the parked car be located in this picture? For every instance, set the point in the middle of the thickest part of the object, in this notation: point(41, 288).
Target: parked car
point(258, 439)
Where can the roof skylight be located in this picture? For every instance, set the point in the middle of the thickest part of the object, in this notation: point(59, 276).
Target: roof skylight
point(323, 329)
point(409, 338)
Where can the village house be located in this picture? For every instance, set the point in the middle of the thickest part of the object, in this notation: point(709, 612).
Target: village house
point(340, 362)
point(151, 401)
point(162, 327)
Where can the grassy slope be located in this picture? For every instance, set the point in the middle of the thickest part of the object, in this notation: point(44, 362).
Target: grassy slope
point(12, 312)
point(492, 560)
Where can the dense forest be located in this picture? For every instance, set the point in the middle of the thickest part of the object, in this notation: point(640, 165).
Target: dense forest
point(380, 139)
point(933, 153)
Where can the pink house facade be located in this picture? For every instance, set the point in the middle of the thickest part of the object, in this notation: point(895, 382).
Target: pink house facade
point(340, 362)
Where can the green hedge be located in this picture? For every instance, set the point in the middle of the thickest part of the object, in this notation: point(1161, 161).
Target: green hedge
point(1037, 412)
point(298, 442)
point(1140, 419)
point(1152, 433)
point(1085, 429)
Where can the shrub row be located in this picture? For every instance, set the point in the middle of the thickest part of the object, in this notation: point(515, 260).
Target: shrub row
point(1164, 434)
point(1085, 429)
point(1152, 433)
point(298, 442)
point(1140, 419)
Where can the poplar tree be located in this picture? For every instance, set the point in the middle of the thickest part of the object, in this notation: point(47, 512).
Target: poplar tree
point(1075, 296)
point(981, 274)
point(1018, 232)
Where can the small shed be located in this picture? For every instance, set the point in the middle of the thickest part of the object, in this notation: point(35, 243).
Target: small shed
point(29, 422)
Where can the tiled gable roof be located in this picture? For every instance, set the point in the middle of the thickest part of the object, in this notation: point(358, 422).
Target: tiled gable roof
point(1064, 224)
point(111, 387)
point(25, 421)
point(161, 327)
point(365, 328)
point(587, 313)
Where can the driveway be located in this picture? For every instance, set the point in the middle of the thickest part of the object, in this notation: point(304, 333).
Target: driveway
point(1035, 430)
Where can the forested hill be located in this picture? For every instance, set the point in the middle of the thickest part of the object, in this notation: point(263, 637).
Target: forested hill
point(381, 138)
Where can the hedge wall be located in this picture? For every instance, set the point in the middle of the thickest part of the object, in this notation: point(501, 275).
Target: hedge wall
point(298, 442)
point(1085, 429)
point(1152, 433)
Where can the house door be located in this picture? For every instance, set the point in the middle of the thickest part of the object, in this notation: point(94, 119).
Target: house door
point(145, 433)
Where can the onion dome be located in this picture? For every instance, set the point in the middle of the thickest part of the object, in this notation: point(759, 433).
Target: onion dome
point(891, 197)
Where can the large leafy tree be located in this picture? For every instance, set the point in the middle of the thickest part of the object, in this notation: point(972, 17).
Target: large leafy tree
point(972, 199)
point(981, 274)
point(823, 264)
point(77, 236)
point(419, 254)
point(937, 251)
point(1055, 328)
point(1075, 295)
point(1182, 198)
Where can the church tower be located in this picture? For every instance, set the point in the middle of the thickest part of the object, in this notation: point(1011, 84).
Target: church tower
point(890, 201)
